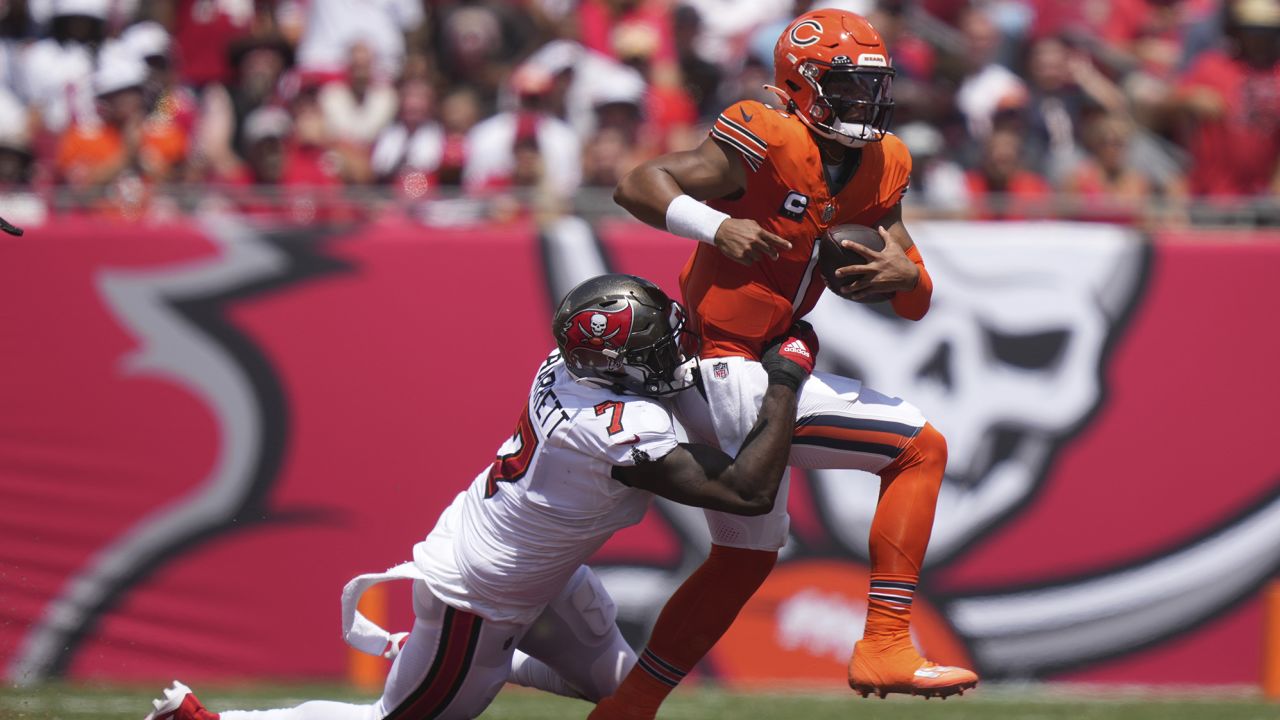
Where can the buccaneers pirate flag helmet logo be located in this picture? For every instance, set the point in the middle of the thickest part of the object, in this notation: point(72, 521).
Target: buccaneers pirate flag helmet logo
point(623, 331)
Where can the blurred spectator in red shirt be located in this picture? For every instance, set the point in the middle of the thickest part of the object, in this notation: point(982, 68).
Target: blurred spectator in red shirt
point(204, 31)
point(125, 141)
point(1146, 42)
point(265, 133)
point(504, 149)
point(259, 64)
point(1062, 17)
point(598, 20)
point(313, 158)
point(1231, 99)
point(1113, 190)
point(459, 112)
point(666, 109)
point(284, 154)
point(913, 58)
point(359, 106)
point(1001, 172)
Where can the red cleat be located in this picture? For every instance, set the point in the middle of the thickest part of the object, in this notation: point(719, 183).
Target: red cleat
point(880, 667)
point(179, 703)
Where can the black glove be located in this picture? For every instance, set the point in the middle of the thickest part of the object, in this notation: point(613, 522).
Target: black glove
point(789, 357)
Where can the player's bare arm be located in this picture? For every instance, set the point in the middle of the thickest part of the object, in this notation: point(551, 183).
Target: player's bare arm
point(666, 192)
point(702, 476)
point(886, 271)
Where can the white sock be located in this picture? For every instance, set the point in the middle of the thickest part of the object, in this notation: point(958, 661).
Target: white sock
point(533, 673)
point(314, 710)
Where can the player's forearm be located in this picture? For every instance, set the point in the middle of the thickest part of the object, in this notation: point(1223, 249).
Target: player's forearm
point(757, 470)
point(646, 192)
point(913, 304)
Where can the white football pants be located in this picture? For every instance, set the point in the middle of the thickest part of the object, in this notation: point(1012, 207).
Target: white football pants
point(840, 424)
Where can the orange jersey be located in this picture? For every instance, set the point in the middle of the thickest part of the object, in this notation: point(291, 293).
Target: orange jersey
point(737, 308)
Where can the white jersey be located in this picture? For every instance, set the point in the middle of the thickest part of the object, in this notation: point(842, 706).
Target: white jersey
point(509, 542)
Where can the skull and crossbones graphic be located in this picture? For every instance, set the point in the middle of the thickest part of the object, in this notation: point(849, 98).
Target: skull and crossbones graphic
point(595, 334)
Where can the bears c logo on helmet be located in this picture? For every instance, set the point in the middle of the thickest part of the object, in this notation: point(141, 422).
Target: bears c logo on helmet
point(804, 39)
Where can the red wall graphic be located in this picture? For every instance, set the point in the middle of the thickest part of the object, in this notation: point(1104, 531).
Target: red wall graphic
point(207, 428)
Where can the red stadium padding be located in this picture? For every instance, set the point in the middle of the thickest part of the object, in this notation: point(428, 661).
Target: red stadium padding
point(207, 429)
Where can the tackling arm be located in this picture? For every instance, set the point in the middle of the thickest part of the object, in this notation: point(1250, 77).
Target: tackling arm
point(746, 485)
point(666, 192)
point(702, 476)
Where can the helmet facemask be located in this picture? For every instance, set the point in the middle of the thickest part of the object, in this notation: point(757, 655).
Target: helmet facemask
point(663, 367)
point(852, 105)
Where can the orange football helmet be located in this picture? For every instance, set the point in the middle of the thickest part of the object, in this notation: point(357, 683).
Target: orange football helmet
point(833, 71)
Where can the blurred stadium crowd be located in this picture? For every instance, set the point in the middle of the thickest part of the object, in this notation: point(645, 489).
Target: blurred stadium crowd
point(1011, 108)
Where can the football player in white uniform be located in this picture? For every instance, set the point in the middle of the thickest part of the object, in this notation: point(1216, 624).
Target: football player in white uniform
point(501, 591)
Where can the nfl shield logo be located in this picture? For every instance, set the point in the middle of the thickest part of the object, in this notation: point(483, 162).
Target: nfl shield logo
point(720, 370)
point(827, 212)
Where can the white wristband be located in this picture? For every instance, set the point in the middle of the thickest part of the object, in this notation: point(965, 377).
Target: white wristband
point(689, 218)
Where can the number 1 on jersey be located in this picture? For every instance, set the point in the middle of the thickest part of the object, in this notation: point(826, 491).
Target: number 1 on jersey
point(615, 407)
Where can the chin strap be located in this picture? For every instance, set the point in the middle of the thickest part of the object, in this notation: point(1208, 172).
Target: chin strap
point(782, 95)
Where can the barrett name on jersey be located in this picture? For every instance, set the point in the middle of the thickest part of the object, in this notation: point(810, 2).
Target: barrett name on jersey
point(738, 307)
point(513, 538)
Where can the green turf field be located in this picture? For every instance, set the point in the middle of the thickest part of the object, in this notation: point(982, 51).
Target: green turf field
point(988, 703)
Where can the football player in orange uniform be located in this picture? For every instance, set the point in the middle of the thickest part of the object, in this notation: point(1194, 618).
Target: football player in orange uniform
point(757, 193)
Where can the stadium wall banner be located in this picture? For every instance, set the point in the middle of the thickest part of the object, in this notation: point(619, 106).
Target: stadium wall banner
point(206, 428)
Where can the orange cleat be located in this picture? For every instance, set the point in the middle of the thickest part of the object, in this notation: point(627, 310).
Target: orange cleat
point(881, 667)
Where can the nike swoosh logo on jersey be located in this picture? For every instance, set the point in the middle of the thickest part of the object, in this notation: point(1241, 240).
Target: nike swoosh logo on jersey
point(745, 116)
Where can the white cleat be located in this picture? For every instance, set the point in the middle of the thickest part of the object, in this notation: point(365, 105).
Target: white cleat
point(178, 703)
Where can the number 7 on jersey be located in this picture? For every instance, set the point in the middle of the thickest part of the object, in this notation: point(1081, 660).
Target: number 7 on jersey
point(615, 407)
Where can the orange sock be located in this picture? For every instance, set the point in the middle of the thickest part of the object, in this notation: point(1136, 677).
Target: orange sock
point(900, 531)
point(695, 617)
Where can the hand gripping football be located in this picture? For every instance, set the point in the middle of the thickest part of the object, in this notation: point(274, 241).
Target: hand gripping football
point(833, 255)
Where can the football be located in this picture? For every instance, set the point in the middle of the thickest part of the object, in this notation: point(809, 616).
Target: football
point(833, 255)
